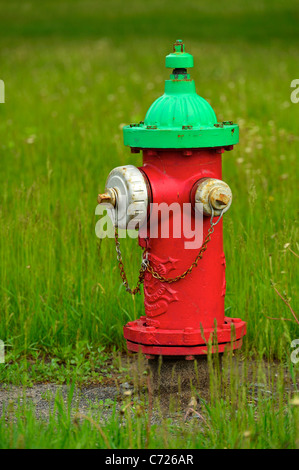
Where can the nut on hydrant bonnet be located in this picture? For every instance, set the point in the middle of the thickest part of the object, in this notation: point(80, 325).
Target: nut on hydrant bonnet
point(184, 289)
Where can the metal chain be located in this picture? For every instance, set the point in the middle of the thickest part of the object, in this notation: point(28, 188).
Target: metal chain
point(145, 266)
point(123, 275)
point(203, 248)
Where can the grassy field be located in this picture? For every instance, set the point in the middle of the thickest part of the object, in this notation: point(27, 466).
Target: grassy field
point(75, 72)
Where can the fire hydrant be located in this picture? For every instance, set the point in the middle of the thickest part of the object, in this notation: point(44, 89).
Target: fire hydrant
point(184, 289)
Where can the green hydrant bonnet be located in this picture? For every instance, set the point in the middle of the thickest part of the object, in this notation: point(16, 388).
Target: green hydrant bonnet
point(180, 118)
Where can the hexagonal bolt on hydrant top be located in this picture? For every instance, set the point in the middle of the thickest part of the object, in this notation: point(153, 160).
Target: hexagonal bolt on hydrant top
point(184, 289)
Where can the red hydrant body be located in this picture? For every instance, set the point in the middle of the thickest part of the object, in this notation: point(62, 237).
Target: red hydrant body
point(184, 286)
point(181, 317)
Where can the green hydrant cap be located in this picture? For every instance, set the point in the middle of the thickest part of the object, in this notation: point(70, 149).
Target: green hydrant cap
point(180, 118)
point(179, 59)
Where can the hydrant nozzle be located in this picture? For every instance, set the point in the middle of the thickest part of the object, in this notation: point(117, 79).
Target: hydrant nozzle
point(213, 192)
point(107, 198)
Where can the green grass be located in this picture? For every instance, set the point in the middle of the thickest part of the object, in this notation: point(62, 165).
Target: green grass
point(271, 432)
point(60, 129)
point(243, 411)
point(75, 73)
point(83, 364)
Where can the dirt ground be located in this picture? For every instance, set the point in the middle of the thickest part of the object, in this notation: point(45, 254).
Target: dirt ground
point(174, 387)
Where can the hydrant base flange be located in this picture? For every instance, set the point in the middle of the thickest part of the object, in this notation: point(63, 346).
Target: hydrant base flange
point(183, 264)
point(188, 341)
point(182, 350)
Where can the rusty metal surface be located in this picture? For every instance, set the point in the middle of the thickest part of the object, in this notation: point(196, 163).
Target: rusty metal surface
point(107, 198)
point(182, 350)
point(213, 192)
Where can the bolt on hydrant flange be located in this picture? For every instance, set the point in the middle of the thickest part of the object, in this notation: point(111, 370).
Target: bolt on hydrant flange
point(184, 289)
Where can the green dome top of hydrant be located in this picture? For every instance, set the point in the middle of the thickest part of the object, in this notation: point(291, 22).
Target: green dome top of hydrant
point(180, 118)
point(179, 59)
